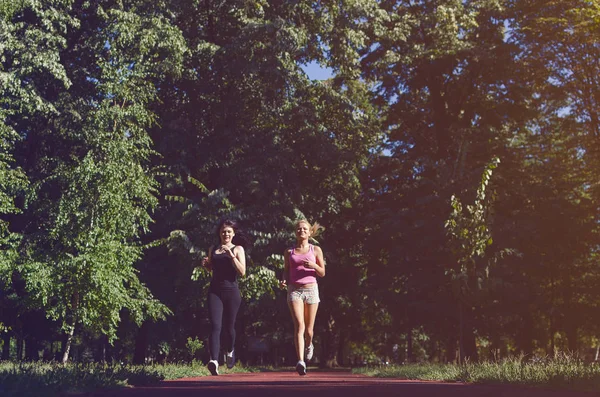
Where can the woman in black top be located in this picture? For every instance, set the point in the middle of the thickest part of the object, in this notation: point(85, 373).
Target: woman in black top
point(227, 260)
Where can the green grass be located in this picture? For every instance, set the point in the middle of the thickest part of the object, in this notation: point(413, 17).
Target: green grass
point(51, 379)
point(560, 372)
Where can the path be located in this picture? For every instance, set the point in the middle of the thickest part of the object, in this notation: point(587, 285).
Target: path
point(324, 384)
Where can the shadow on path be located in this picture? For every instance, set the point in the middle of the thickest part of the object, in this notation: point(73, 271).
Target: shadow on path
point(322, 384)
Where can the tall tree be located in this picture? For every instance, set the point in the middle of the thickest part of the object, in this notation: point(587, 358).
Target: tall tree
point(556, 154)
point(244, 117)
point(92, 190)
point(32, 35)
point(446, 82)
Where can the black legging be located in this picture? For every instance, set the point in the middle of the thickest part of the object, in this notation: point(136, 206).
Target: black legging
point(223, 305)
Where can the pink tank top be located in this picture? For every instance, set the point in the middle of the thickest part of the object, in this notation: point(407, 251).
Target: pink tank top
point(298, 273)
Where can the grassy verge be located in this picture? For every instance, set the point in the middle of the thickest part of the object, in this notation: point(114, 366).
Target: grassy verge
point(52, 379)
point(560, 372)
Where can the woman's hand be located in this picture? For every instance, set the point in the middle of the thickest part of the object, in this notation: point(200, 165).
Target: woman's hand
point(224, 248)
point(309, 265)
point(206, 263)
point(282, 284)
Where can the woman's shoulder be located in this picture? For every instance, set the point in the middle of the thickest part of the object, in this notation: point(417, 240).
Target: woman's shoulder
point(238, 248)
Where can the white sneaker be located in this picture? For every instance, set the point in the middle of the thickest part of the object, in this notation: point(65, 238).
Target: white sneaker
point(308, 352)
point(230, 359)
point(213, 367)
point(301, 368)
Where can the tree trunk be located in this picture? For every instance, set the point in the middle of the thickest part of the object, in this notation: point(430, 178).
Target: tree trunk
point(467, 344)
point(141, 345)
point(571, 326)
point(470, 343)
point(71, 324)
point(100, 351)
point(20, 344)
point(340, 349)
point(31, 350)
point(409, 346)
point(6, 346)
point(68, 343)
point(451, 355)
point(524, 340)
point(461, 331)
point(441, 120)
point(330, 345)
point(571, 332)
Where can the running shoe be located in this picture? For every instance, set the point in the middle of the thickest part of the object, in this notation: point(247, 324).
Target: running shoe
point(301, 368)
point(213, 367)
point(230, 358)
point(308, 352)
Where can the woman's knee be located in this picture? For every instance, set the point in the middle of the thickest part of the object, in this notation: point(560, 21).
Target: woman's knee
point(216, 328)
point(231, 332)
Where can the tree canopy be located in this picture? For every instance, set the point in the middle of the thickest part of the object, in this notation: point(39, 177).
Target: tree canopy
point(452, 157)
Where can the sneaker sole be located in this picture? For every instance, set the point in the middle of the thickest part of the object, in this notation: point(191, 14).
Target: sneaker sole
point(213, 369)
point(300, 369)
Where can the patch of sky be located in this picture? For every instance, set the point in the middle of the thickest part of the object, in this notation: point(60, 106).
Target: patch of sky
point(564, 111)
point(315, 71)
point(507, 30)
point(554, 81)
point(586, 187)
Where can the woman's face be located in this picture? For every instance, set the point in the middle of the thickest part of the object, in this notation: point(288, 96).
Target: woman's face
point(226, 234)
point(302, 231)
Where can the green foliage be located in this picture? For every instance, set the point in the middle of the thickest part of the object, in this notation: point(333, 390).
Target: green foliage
point(20, 95)
point(562, 371)
point(259, 280)
point(48, 379)
point(468, 232)
point(93, 201)
point(129, 129)
point(45, 379)
point(194, 346)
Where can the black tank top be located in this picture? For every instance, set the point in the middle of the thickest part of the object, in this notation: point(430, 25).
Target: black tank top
point(224, 273)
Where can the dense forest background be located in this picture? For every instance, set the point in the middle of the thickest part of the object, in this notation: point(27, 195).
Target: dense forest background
point(453, 157)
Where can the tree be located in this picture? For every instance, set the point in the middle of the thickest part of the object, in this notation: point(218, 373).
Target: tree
point(24, 26)
point(554, 158)
point(92, 191)
point(246, 121)
point(469, 236)
point(445, 81)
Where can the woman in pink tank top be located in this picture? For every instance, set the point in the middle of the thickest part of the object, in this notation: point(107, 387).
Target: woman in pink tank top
point(303, 264)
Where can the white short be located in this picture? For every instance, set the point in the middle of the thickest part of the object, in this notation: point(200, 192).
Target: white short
point(308, 294)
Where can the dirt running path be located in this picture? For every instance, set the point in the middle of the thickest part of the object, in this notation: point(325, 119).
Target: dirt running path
point(324, 384)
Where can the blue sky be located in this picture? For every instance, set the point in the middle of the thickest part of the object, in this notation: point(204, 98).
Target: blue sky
point(316, 72)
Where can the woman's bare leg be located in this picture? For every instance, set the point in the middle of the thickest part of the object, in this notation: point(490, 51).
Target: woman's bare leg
point(310, 313)
point(297, 311)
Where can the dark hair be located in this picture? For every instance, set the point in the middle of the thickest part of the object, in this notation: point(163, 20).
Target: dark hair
point(240, 238)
